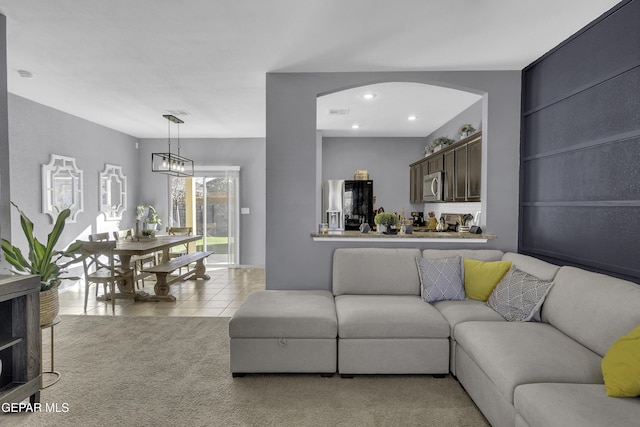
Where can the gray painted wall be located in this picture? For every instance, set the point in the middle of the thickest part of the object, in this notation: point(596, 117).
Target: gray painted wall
point(386, 158)
point(472, 115)
point(36, 132)
point(293, 260)
point(248, 153)
point(5, 215)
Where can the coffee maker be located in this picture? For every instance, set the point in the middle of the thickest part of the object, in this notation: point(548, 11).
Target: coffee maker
point(418, 218)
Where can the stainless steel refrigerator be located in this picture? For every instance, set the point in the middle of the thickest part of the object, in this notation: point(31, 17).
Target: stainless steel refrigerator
point(346, 204)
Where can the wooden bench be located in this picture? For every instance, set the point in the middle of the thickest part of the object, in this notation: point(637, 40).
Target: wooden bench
point(162, 272)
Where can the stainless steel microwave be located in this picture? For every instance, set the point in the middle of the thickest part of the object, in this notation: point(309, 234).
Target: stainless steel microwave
point(433, 187)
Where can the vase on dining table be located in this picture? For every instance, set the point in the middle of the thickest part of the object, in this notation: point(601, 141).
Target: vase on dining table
point(151, 226)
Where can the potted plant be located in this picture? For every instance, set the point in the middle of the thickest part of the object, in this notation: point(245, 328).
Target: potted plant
point(386, 220)
point(464, 222)
point(151, 221)
point(148, 233)
point(466, 130)
point(44, 261)
point(437, 144)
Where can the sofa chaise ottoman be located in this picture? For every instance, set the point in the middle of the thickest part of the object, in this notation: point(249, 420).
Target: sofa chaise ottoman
point(384, 326)
point(284, 331)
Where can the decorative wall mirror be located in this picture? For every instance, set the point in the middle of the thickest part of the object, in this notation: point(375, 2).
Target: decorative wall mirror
point(62, 187)
point(113, 192)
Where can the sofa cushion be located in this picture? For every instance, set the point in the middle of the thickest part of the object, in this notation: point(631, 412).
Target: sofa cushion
point(621, 366)
point(592, 308)
point(285, 314)
point(478, 254)
point(375, 271)
point(541, 269)
point(573, 405)
point(481, 277)
point(519, 296)
point(457, 312)
point(441, 279)
point(388, 316)
point(514, 353)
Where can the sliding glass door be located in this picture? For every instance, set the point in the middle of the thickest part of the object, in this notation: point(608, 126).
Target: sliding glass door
point(208, 202)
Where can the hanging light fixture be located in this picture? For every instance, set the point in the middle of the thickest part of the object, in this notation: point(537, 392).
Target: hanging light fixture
point(169, 163)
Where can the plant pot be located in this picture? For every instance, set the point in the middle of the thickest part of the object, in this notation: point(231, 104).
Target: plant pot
point(49, 305)
point(381, 228)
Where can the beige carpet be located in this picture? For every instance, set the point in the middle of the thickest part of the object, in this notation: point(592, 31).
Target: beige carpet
point(168, 371)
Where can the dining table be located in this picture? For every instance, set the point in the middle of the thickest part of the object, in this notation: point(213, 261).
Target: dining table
point(126, 249)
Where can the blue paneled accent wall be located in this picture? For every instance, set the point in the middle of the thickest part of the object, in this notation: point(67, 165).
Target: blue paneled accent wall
point(580, 148)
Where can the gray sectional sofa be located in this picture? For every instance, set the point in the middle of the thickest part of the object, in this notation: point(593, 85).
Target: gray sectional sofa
point(521, 374)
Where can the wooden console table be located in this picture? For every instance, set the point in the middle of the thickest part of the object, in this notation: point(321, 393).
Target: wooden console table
point(20, 338)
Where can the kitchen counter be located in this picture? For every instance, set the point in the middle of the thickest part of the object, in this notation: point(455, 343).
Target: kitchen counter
point(416, 236)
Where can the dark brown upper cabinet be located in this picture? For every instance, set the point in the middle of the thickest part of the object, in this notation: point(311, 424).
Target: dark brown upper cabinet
point(461, 163)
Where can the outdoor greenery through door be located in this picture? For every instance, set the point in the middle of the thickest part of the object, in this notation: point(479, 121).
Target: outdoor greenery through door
point(208, 202)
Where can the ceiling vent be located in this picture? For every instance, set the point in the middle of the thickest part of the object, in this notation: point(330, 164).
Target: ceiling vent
point(179, 112)
point(25, 74)
point(338, 111)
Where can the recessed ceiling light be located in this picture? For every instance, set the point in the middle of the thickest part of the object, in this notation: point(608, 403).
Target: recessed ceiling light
point(412, 117)
point(369, 95)
point(355, 126)
point(25, 74)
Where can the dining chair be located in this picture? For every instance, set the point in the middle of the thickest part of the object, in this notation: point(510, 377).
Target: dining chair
point(100, 268)
point(137, 261)
point(99, 237)
point(179, 231)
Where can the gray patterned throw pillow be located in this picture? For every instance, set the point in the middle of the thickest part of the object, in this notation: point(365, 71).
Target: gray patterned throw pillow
point(441, 279)
point(519, 296)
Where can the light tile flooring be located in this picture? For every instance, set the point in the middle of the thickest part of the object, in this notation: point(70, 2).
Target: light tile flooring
point(217, 297)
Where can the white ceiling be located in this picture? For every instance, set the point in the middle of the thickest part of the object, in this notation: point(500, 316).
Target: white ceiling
point(124, 63)
point(387, 113)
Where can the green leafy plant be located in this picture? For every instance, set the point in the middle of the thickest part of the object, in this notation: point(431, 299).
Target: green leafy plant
point(387, 218)
point(152, 216)
point(42, 260)
point(466, 129)
point(440, 141)
point(466, 219)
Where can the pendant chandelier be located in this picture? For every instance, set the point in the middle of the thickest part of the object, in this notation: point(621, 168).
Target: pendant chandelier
point(170, 163)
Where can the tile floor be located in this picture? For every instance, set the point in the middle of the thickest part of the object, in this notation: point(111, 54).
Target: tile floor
point(217, 297)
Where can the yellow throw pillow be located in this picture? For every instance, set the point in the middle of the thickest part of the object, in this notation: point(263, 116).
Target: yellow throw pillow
point(621, 366)
point(481, 277)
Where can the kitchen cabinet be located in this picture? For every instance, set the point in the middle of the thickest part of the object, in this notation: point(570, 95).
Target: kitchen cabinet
point(461, 163)
point(460, 174)
point(417, 171)
point(19, 338)
point(474, 170)
point(435, 163)
point(412, 183)
point(449, 176)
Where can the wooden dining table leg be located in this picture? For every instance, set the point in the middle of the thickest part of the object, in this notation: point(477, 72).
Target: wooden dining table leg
point(199, 272)
point(126, 286)
point(162, 289)
point(165, 255)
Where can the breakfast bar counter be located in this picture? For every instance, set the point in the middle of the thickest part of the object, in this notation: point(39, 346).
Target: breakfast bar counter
point(416, 236)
